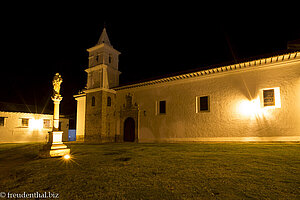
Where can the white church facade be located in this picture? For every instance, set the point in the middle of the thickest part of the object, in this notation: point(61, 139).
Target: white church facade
point(257, 100)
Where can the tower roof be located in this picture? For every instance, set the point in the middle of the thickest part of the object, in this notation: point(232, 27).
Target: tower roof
point(104, 38)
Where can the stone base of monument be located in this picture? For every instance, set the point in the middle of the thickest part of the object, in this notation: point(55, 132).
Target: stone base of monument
point(55, 146)
point(54, 153)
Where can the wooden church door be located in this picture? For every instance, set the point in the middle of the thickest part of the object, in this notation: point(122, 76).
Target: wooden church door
point(129, 130)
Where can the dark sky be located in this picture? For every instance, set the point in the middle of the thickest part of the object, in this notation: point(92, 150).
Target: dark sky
point(154, 39)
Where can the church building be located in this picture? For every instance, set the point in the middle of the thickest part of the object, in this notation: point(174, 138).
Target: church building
point(256, 100)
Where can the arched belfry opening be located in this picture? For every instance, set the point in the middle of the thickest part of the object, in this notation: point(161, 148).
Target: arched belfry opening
point(129, 130)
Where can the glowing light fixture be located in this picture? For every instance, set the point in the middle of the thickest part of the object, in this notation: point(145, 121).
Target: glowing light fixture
point(67, 156)
point(268, 98)
point(250, 107)
point(36, 124)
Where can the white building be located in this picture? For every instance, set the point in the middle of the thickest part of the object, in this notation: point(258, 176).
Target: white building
point(256, 100)
point(18, 124)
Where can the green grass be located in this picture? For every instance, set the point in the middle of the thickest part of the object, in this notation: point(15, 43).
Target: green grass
point(156, 171)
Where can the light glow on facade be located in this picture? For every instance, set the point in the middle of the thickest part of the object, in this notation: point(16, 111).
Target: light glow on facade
point(250, 108)
point(256, 107)
point(36, 124)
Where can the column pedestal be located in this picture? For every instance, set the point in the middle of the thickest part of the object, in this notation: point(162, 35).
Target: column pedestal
point(55, 147)
point(58, 148)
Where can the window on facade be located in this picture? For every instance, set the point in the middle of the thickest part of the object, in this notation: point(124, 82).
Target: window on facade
point(108, 101)
point(202, 104)
point(2, 121)
point(162, 107)
point(93, 101)
point(46, 123)
point(109, 59)
point(25, 122)
point(269, 97)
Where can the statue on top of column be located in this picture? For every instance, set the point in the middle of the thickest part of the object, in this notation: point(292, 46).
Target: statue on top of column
point(57, 80)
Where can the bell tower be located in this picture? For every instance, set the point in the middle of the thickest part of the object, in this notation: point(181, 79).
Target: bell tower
point(103, 70)
point(100, 97)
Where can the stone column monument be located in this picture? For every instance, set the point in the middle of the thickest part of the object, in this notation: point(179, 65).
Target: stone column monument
point(55, 146)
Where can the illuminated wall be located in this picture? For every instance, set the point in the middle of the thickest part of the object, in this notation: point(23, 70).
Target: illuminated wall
point(80, 117)
point(239, 106)
point(28, 127)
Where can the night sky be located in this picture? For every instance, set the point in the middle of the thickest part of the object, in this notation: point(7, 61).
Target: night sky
point(154, 39)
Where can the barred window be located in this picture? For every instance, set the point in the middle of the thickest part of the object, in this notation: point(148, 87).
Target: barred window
point(269, 97)
point(25, 122)
point(46, 123)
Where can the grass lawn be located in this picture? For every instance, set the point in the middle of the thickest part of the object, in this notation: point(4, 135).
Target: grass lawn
point(156, 171)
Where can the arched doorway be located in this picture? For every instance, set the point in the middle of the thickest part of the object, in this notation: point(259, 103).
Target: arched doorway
point(129, 130)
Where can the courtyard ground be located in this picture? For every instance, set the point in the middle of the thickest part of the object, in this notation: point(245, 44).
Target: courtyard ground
point(156, 171)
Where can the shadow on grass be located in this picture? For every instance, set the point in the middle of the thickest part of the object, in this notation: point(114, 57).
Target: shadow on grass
point(123, 159)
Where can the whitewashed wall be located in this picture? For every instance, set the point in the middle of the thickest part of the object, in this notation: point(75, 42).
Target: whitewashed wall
point(12, 131)
point(225, 121)
point(80, 117)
